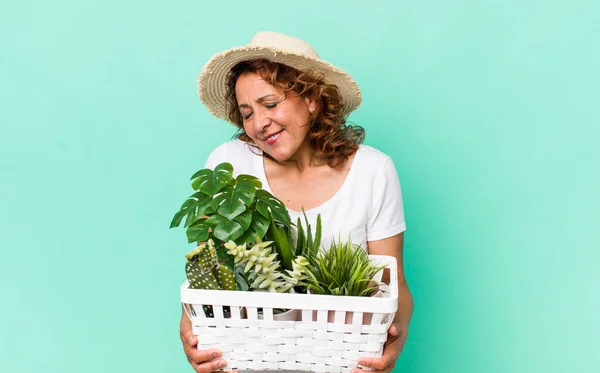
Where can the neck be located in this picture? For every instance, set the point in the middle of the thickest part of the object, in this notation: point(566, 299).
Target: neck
point(303, 160)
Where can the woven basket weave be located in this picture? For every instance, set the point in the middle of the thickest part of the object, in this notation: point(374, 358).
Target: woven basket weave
point(327, 333)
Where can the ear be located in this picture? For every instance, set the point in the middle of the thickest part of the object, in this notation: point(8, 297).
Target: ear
point(310, 104)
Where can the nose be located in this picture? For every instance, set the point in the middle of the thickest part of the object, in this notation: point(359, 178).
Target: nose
point(262, 120)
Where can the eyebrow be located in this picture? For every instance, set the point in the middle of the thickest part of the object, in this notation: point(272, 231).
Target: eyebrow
point(259, 100)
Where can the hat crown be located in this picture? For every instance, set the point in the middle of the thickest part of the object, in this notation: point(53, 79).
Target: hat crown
point(285, 43)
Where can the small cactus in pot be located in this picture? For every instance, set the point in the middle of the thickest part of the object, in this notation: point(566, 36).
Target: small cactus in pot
point(204, 271)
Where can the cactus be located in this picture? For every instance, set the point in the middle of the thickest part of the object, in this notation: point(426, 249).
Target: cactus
point(205, 272)
point(224, 277)
point(199, 269)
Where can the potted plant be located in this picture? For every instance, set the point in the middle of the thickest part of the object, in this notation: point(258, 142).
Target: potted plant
point(344, 269)
point(249, 243)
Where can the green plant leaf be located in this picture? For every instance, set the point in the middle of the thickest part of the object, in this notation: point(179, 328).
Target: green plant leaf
point(318, 233)
point(229, 230)
point(259, 224)
point(244, 219)
point(235, 200)
point(243, 177)
point(220, 198)
point(282, 244)
point(263, 208)
point(245, 191)
point(194, 207)
point(247, 237)
point(210, 181)
point(198, 231)
point(275, 207)
point(343, 269)
point(300, 239)
point(231, 208)
point(309, 238)
point(215, 220)
point(176, 221)
point(240, 279)
point(197, 211)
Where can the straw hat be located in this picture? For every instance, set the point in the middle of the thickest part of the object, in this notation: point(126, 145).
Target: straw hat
point(212, 83)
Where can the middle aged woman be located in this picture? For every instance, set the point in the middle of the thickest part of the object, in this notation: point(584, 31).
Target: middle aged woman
point(290, 107)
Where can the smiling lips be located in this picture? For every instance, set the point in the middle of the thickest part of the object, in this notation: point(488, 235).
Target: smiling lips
point(273, 138)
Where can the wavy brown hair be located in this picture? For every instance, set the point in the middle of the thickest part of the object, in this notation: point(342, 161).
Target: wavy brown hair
point(329, 136)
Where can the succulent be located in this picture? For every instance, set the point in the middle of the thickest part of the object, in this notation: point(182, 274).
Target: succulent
point(205, 272)
point(262, 268)
point(343, 269)
point(297, 276)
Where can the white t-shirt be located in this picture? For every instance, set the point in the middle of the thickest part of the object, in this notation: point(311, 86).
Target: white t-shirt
point(367, 207)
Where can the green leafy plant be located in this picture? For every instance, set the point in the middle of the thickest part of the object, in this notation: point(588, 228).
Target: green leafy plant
point(306, 246)
point(344, 269)
point(237, 211)
point(225, 208)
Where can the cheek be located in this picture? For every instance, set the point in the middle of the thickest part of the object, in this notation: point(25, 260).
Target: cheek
point(249, 131)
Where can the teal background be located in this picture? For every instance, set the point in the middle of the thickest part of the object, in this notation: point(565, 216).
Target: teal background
point(490, 110)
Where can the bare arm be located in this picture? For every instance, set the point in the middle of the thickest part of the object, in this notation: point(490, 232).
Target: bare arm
point(398, 332)
point(203, 361)
point(393, 246)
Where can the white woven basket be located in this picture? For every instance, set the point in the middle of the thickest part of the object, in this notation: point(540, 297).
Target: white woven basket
point(326, 333)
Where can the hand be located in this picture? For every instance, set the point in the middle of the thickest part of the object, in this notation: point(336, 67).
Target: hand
point(391, 350)
point(203, 361)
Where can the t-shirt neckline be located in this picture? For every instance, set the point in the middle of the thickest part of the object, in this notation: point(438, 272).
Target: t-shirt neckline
point(266, 186)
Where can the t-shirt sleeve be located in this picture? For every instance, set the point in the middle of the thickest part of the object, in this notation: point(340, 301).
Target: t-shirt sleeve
point(387, 210)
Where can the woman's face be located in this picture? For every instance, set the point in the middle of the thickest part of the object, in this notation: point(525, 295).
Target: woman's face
point(276, 123)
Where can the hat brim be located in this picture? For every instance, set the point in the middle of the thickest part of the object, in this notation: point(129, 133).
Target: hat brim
point(212, 83)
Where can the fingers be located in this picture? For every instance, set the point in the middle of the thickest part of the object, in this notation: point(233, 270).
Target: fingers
point(208, 367)
point(191, 339)
point(201, 356)
point(387, 361)
point(187, 337)
point(202, 360)
point(379, 364)
point(358, 370)
point(394, 330)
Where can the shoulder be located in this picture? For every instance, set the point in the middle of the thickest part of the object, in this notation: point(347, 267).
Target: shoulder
point(232, 147)
point(236, 152)
point(369, 158)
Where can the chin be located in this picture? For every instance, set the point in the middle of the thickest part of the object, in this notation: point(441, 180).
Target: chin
point(279, 155)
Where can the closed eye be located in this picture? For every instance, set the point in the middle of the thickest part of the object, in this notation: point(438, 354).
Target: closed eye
point(270, 105)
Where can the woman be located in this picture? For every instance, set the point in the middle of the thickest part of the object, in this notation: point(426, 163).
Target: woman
point(290, 107)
